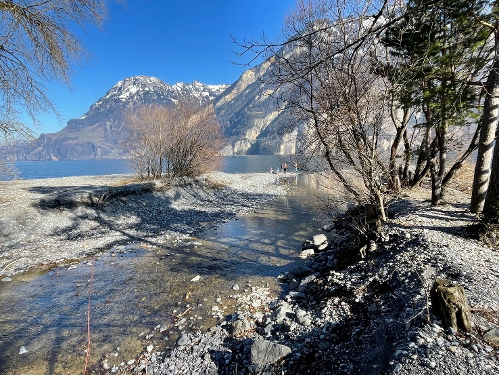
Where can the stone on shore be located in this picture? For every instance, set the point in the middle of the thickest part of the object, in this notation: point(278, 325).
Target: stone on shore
point(319, 242)
point(492, 335)
point(265, 352)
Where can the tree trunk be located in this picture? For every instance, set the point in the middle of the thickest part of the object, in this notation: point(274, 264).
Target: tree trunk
point(438, 174)
point(487, 135)
point(491, 204)
point(407, 159)
point(400, 133)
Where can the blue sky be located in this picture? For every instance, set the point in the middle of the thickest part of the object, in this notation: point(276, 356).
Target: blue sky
point(173, 40)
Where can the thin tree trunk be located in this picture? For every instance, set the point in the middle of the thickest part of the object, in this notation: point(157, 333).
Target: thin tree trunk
point(407, 158)
point(458, 164)
point(400, 131)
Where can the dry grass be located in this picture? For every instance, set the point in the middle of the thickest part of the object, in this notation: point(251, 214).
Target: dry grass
point(463, 180)
point(213, 184)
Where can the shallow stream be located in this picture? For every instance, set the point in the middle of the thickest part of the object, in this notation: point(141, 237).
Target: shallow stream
point(137, 289)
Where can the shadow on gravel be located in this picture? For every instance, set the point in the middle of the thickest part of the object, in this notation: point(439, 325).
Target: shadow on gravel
point(142, 214)
point(362, 321)
point(70, 197)
point(447, 212)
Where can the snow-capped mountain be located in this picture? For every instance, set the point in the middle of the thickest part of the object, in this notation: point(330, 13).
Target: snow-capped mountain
point(142, 90)
point(97, 133)
point(251, 118)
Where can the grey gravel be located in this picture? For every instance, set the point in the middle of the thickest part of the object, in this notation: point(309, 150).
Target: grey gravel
point(369, 317)
point(49, 220)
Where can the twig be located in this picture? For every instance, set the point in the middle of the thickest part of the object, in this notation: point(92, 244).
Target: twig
point(185, 312)
point(88, 317)
point(15, 260)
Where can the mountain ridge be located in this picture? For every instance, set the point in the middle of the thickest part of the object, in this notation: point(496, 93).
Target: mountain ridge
point(250, 117)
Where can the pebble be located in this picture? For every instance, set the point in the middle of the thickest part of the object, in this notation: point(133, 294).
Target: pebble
point(22, 350)
point(183, 340)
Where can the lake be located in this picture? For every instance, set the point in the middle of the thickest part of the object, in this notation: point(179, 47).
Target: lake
point(30, 170)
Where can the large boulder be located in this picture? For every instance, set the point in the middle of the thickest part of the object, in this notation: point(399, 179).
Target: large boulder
point(265, 352)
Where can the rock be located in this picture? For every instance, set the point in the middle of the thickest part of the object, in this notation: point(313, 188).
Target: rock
point(307, 253)
point(450, 303)
point(163, 329)
point(282, 312)
point(6, 279)
point(265, 352)
point(293, 284)
point(239, 326)
point(183, 340)
point(302, 317)
point(139, 368)
point(319, 242)
point(492, 335)
point(319, 239)
point(235, 287)
point(296, 295)
point(328, 227)
point(22, 350)
point(301, 271)
point(196, 278)
point(149, 348)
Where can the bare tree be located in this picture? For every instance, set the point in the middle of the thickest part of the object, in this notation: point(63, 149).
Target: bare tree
point(331, 87)
point(37, 46)
point(180, 140)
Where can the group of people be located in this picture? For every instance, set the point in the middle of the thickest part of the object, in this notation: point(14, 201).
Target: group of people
point(284, 167)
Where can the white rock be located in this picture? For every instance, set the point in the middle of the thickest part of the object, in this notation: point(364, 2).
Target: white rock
point(22, 350)
point(306, 253)
point(196, 278)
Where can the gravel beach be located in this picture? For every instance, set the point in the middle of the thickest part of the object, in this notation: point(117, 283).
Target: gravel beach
point(366, 316)
point(49, 220)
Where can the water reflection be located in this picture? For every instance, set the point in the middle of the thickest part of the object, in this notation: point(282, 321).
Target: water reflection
point(138, 288)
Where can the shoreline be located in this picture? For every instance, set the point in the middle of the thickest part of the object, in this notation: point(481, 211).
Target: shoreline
point(47, 221)
point(366, 317)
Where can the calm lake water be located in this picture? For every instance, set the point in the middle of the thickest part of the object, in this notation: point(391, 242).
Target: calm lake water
point(30, 170)
point(137, 288)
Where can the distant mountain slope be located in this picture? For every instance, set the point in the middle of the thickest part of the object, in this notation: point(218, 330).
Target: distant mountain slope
point(98, 132)
point(251, 118)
